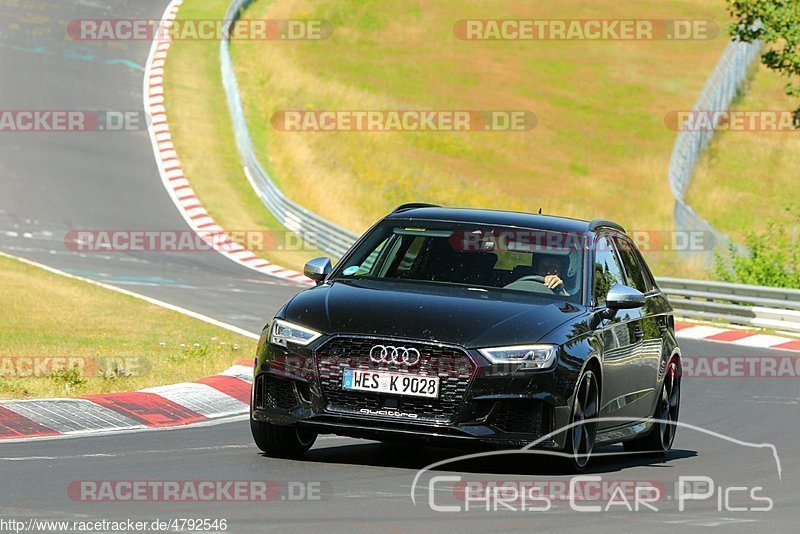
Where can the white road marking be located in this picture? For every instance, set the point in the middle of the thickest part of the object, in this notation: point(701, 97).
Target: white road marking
point(699, 332)
point(760, 340)
point(200, 398)
point(181, 450)
point(241, 372)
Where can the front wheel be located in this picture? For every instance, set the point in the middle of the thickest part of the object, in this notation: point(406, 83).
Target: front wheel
point(281, 441)
point(661, 437)
point(583, 432)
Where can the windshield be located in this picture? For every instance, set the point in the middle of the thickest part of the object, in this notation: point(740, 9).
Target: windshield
point(489, 257)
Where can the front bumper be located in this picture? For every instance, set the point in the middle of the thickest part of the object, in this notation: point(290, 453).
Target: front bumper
point(478, 404)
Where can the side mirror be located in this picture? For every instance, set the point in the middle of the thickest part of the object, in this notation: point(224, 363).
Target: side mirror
point(624, 298)
point(317, 269)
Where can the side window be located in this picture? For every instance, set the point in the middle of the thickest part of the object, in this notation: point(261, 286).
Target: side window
point(649, 281)
point(633, 270)
point(607, 270)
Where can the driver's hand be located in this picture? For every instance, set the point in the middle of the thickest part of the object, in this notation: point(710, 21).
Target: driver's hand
point(553, 282)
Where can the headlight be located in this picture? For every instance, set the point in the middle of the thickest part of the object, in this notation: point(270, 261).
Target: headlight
point(524, 356)
point(282, 332)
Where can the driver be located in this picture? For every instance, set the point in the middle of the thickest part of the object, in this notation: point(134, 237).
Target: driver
point(551, 268)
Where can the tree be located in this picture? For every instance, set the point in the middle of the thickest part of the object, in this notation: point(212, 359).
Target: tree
point(772, 258)
point(776, 23)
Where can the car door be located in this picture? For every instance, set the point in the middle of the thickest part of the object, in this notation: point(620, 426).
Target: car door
point(648, 328)
point(620, 337)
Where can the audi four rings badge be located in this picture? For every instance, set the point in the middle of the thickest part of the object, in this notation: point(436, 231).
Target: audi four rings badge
point(390, 354)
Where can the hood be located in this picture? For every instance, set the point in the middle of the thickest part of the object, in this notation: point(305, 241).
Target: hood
point(448, 314)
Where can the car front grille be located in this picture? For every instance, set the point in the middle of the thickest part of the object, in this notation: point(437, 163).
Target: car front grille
point(273, 392)
point(522, 416)
point(452, 365)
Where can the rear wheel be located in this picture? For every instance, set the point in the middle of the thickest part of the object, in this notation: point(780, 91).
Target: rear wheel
point(582, 435)
point(661, 437)
point(281, 441)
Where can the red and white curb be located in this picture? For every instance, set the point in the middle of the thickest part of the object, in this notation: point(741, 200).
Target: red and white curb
point(224, 395)
point(743, 338)
point(172, 175)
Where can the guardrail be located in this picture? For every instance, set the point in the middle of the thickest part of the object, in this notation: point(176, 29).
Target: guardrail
point(314, 229)
point(717, 95)
point(741, 304)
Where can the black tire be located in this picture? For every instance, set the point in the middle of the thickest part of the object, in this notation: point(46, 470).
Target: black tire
point(281, 441)
point(662, 435)
point(581, 437)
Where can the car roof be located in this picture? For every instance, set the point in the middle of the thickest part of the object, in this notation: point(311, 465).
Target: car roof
point(499, 218)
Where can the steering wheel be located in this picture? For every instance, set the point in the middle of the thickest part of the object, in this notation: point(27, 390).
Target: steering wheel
point(538, 279)
point(531, 278)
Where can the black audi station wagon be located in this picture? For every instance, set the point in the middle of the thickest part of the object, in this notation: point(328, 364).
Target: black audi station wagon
point(475, 327)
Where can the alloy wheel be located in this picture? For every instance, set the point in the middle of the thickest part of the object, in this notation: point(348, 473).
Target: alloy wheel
point(586, 408)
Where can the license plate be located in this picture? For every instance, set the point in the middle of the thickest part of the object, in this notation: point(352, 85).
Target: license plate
point(388, 382)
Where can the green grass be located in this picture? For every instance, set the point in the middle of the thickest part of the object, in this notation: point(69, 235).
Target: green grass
point(122, 343)
point(747, 179)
